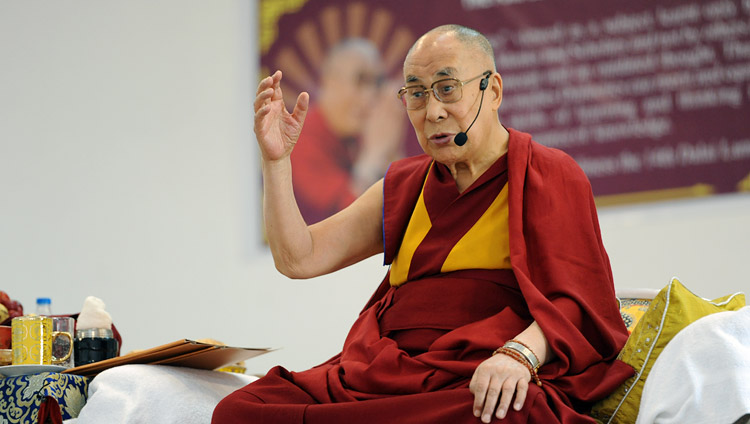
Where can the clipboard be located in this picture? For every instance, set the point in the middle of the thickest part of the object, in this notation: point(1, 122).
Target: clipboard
point(184, 353)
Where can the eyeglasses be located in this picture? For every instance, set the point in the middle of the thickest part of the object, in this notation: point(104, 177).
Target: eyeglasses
point(447, 90)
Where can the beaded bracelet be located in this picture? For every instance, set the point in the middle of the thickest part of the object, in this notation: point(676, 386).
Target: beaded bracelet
point(520, 359)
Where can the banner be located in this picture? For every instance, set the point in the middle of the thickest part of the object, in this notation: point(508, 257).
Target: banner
point(651, 98)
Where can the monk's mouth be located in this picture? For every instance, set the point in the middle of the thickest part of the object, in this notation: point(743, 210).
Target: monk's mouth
point(442, 138)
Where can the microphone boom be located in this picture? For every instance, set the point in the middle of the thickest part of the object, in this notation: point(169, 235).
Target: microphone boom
point(461, 138)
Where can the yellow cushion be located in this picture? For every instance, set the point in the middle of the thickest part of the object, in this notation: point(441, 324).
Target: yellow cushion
point(671, 310)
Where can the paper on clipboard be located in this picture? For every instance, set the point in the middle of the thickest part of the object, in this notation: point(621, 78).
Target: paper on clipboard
point(185, 353)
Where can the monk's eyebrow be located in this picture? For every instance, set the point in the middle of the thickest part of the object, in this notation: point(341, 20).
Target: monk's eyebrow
point(441, 73)
point(446, 72)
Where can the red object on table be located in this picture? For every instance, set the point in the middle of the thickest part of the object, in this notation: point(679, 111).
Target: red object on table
point(49, 412)
point(5, 336)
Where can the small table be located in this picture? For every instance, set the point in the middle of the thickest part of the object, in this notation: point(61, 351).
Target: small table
point(21, 397)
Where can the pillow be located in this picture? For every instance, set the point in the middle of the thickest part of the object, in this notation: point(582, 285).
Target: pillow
point(669, 312)
point(633, 304)
point(632, 310)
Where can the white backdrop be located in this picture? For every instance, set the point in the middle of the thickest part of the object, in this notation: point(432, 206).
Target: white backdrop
point(128, 171)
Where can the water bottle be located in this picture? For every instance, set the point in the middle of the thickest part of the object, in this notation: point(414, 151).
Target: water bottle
point(44, 306)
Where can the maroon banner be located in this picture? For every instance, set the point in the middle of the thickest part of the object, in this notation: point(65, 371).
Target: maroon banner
point(649, 97)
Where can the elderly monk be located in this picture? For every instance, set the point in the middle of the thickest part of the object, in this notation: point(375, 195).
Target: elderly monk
point(499, 302)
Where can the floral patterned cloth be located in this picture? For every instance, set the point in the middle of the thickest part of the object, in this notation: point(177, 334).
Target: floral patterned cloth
point(631, 310)
point(22, 396)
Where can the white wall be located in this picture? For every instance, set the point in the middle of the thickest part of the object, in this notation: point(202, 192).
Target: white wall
point(128, 171)
point(702, 241)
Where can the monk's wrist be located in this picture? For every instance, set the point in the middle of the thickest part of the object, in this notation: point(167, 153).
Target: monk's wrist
point(522, 354)
point(524, 350)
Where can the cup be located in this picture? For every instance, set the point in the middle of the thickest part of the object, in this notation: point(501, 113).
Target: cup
point(5, 336)
point(6, 354)
point(32, 340)
point(63, 329)
point(6, 357)
point(94, 345)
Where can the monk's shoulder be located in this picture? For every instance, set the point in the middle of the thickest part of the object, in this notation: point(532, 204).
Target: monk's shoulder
point(555, 162)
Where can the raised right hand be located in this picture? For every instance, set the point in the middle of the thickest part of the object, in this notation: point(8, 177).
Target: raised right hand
point(276, 129)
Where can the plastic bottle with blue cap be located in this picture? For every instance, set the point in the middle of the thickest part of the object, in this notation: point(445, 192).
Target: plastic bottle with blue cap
point(43, 306)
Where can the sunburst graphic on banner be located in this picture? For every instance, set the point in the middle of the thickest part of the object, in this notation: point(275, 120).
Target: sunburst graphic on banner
point(303, 53)
point(270, 12)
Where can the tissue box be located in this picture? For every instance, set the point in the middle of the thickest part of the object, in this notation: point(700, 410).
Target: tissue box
point(22, 396)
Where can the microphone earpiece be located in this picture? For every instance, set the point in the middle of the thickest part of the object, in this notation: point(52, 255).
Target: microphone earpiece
point(484, 83)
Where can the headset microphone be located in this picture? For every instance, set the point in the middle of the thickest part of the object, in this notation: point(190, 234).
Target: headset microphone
point(461, 138)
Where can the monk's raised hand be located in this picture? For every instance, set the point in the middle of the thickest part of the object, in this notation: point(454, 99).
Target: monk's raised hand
point(495, 382)
point(276, 129)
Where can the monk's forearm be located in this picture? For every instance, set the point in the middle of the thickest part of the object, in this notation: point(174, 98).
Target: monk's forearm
point(286, 230)
point(534, 338)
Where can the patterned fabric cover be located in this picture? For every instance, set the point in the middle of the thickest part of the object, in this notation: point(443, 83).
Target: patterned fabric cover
point(631, 310)
point(22, 396)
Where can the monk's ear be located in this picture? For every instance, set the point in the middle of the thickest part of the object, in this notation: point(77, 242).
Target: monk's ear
point(495, 89)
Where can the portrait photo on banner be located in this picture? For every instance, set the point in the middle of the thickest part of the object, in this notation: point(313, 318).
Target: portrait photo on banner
point(650, 98)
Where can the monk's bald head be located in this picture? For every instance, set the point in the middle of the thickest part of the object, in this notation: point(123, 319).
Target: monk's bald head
point(350, 50)
point(473, 40)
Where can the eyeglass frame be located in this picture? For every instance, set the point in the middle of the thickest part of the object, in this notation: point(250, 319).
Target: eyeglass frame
point(402, 91)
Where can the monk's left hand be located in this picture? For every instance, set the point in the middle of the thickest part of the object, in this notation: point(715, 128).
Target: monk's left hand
point(498, 378)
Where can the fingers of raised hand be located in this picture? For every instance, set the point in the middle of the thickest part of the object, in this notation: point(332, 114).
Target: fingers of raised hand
point(269, 88)
point(262, 99)
point(264, 84)
point(300, 108)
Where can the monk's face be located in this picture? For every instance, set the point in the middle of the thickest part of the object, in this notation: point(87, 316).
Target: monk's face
point(437, 57)
point(348, 90)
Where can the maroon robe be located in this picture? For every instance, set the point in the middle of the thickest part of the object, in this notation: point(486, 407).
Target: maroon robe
point(411, 354)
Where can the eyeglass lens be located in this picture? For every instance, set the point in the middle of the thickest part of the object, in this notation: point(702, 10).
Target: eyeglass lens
point(446, 91)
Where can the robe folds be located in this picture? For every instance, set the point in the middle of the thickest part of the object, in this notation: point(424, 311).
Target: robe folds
point(411, 354)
